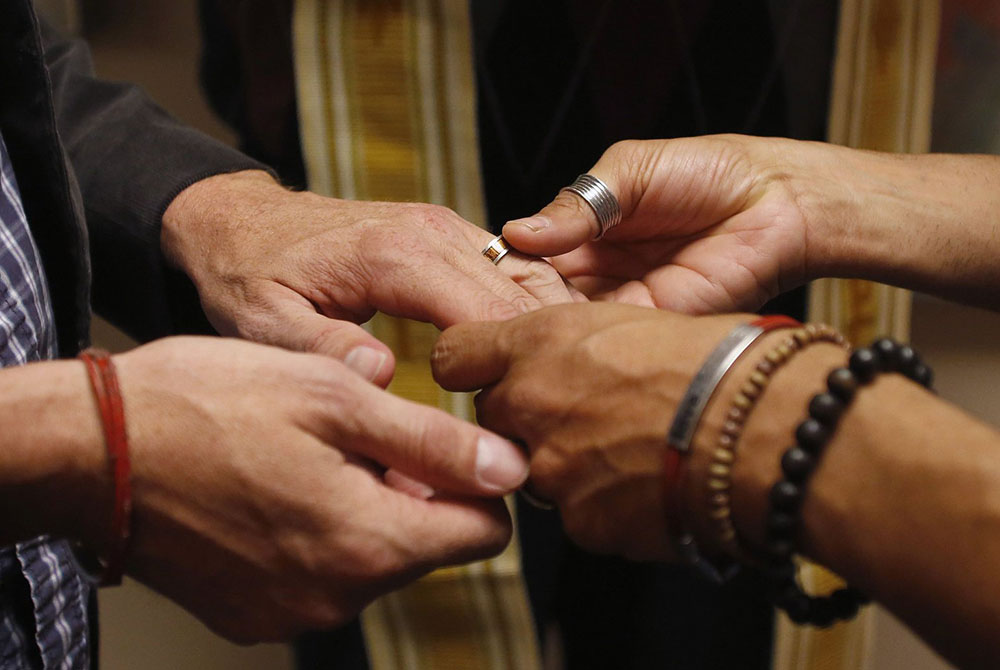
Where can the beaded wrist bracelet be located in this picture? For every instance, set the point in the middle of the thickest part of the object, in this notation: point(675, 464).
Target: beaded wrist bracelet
point(783, 521)
point(685, 422)
point(724, 456)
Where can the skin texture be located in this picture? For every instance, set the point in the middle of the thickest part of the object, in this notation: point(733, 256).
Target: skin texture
point(723, 223)
point(258, 498)
point(904, 502)
point(591, 389)
point(605, 477)
point(277, 492)
point(300, 271)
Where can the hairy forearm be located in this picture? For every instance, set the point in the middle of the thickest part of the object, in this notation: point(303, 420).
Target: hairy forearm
point(926, 222)
point(53, 469)
point(195, 219)
point(904, 503)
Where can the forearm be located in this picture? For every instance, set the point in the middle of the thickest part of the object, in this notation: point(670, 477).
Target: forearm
point(926, 222)
point(903, 504)
point(53, 469)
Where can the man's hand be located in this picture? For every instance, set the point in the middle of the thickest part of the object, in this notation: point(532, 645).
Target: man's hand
point(709, 225)
point(590, 390)
point(300, 271)
point(258, 500)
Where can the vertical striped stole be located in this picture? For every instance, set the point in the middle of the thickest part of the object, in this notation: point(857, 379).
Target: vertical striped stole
point(387, 111)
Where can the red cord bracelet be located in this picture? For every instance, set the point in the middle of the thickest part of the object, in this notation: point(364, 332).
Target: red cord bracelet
point(104, 382)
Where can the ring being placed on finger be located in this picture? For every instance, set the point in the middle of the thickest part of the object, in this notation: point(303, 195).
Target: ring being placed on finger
point(496, 249)
point(534, 500)
point(599, 198)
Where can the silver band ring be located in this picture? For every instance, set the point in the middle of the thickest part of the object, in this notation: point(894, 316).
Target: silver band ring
point(599, 197)
point(496, 249)
point(535, 501)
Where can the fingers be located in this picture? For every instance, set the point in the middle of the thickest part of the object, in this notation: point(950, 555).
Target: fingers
point(470, 356)
point(360, 350)
point(292, 322)
point(440, 532)
point(431, 447)
point(445, 294)
point(563, 225)
point(538, 278)
point(568, 222)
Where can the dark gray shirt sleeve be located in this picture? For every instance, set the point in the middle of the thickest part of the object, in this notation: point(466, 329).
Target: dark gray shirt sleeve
point(131, 159)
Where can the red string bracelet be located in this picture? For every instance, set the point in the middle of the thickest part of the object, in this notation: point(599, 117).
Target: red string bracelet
point(104, 382)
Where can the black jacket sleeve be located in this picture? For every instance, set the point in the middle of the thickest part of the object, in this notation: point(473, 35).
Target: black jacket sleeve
point(131, 159)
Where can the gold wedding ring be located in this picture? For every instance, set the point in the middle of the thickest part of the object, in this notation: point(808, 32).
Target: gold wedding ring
point(496, 249)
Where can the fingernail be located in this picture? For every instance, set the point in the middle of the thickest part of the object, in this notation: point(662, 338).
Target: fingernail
point(534, 223)
point(366, 361)
point(500, 465)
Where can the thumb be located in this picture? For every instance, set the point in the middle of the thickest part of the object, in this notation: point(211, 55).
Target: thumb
point(568, 221)
point(312, 332)
point(433, 450)
point(560, 227)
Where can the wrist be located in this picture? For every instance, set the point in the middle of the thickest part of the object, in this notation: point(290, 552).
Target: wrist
point(924, 222)
point(770, 430)
point(820, 181)
point(767, 431)
point(195, 219)
point(55, 468)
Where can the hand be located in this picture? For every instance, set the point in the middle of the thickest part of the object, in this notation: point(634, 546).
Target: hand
point(711, 224)
point(591, 390)
point(300, 271)
point(258, 501)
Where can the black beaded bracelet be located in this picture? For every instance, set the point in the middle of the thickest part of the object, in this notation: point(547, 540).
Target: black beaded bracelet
point(783, 520)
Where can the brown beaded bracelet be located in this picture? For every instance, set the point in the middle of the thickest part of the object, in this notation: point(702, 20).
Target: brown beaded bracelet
point(725, 453)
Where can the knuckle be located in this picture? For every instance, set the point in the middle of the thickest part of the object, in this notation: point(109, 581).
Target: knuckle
point(624, 151)
point(437, 219)
point(383, 563)
point(498, 309)
point(537, 273)
point(324, 340)
point(548, 472)
point(524, 303)
point(443, 355)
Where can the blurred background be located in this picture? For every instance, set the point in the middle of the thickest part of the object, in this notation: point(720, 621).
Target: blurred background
point(156, 44)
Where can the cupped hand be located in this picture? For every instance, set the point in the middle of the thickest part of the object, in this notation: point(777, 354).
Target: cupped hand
point(300, 271)
point(710, 224)
point(258, 498)
point(590, 390)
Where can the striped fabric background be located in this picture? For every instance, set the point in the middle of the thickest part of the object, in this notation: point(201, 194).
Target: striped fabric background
point(387, 106)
